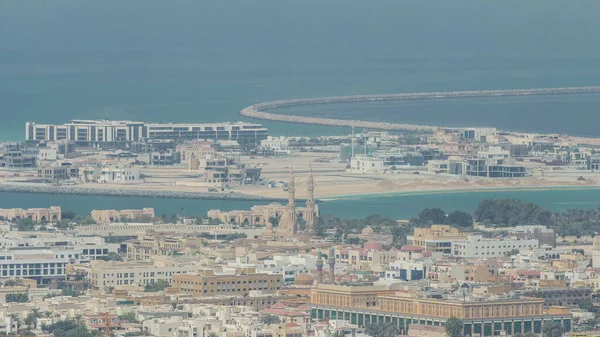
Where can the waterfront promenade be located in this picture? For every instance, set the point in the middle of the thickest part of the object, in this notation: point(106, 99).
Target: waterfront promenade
point(258, 110)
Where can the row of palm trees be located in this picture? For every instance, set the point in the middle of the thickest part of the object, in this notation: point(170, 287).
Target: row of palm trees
point(31, 319)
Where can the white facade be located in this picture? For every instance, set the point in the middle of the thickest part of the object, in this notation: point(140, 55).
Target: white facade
point(119, 175)
point(438, 166)
point(105, 131)
point(112, 274)
point(35, 264)
point(109, 174)
point(494, 153)
point(47, 154)
point(366, 164)
point(277, 144)
point(476, 246)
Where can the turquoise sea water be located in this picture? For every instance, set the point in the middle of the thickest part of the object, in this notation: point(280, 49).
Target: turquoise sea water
point(398, 206)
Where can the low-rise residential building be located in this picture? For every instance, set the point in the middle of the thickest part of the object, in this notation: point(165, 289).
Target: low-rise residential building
point(53, 174)
point(436, 238)
point(476, 246)
point(208, 283)
point(113, 215)
point(52, 213)
point(103, 274)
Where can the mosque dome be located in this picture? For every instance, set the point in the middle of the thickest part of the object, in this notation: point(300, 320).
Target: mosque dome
point(367, 231)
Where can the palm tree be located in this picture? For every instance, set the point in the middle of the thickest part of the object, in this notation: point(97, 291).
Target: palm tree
point(15, 318)
point(78, 319)
point(48, 314)
point(32, 317)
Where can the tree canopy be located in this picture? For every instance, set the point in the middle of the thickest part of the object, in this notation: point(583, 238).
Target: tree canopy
point(454, 327)
point(381, 329)
point(511, 212)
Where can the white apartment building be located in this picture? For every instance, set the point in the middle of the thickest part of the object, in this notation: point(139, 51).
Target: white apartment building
point(366, 164)
point(95, 132)
point(289, 266)
point(279, 145)
point(47, 154)
point(112, 274)
point(476, 246)
point(109, 174)
point(40, 264)
point(494, 153)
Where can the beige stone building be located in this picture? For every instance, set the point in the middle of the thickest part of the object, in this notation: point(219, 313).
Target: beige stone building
point(151, 245)
point(102, 274)
point(208, 284)
point(53, 213)
point(113, 215)
point(437, 238)
point(258, 215)
point(364, 305)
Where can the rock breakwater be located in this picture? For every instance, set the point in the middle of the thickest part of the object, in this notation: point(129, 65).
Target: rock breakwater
point(257, 110)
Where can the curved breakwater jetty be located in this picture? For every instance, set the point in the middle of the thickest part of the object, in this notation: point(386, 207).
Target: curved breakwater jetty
point(73, 190)
point(256, 110)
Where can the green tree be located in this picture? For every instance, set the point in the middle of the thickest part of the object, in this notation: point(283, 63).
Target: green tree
point(17, 297)
point(430, 216)
point(68, 215)
point(512, 212)
point(157, 286)
point(527, 334)
point(338, 334)
point(552, 329)
point(459, 219)
point(454, 327)
point(32, 317)
point(381, 329)
point(25, 224)
point(128, 317)
point(270, 319)
point(587, 305)
point(112, 256)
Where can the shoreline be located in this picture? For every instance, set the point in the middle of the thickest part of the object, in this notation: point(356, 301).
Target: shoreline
point(132, 193)
point(456, 191)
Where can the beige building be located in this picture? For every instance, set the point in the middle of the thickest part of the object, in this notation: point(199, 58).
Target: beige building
point(114, 274)
point(36, 214)
point(149, 246)
point(113, 215)
point(258, 215)
point(437, 238)
point(208, 284)
point(364, 305)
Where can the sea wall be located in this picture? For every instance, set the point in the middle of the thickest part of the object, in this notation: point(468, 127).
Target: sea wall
point(74, 190)
point(257, 110)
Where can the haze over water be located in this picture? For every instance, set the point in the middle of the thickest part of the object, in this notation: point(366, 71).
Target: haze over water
point(201, 61)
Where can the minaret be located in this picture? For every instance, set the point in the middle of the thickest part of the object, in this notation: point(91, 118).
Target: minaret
point(319, 267)
point(332, 264)
point(309, 216)
point(291, 206)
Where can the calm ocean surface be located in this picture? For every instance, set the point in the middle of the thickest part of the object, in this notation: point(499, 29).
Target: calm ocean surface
point(401, 206)
point(203, 61)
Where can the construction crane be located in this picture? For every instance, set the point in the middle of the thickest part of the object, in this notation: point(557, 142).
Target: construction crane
point(107, 329)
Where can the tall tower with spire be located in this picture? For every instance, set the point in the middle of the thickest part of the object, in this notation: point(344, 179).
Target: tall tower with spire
point(332, 264)
point(309, 216)
point(288, 220)
point(319, 267)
